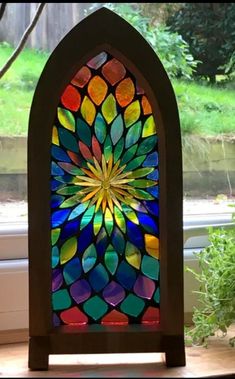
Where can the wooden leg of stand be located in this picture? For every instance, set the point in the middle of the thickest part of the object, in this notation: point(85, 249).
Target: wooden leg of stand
point(174, 351)
point(38, 353)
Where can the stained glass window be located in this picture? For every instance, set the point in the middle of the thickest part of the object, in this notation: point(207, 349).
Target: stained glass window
point(104, 199)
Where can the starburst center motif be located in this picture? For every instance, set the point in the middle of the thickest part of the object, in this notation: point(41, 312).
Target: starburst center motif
point(105, 184)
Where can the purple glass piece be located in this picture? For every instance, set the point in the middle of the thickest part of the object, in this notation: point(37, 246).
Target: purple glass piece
point(144, 287)
point(80, 291)
point(57, 279)
point(56, 320)
point(97, 61)
point(113, 293)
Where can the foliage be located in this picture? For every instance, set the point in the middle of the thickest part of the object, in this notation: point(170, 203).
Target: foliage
point(217, 288)
point(209, 29)
point(172, 50)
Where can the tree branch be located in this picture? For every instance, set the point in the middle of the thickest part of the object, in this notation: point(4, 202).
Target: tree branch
point(2, 10)
point(23, 40)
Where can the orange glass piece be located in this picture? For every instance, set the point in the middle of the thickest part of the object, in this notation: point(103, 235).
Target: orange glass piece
point(115, 318)
point(74, 316)
point(113, 71)
point(82, 77)
point(146, 106)
point(97, 89)
point(74, 157)
point(71, 98)
point(125, 92)
point(96, 149)
point(151, 316)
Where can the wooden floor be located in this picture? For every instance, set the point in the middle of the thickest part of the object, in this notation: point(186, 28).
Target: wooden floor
point(216, 361)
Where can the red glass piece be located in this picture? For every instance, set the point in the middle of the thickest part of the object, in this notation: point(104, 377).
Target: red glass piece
point(85, 150)
point(115, 318)
point(73, 316)
point(113, 71)
point(82, 77)
point(71, 98)
point(151, 316)
point(96, 149)
point(74, 157)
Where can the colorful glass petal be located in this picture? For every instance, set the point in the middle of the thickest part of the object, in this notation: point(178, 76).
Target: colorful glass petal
point(96, 149)
point(71, 98)
point(151, 316)
point(114, 318)
point(108, 218)
point(57, 279)
point(119, 219)
point(125, 92)
point(113, 71)
point(97, 89)
point(136, 162)
point(88, 110)
point(108, 148)
point(132, 113)
point(98, 219)
point(133, 255)
point(59, 154)
point(116, 129)
point(89, 258)
point(55, 137)
point(72, 270)
point(98, 60)
point(126, 275)
point(133, 134)
point(147, 145)
point(109, 109)
point(150, 267)
point(82, 77)
point(113, 293)
point(70, 168)
point(111, 259)
point(98, 277)
point(100, 128)
point(130, 214)
point(146, 106)
point(95, 307)
point(149, 127)
point(144, 287)
point(68, 250)
point(132, 305)
point(83, 131)
point(118, 150)
point(152, 245)
point(118, 240)
point(59, 217)
point(66, 119)
point(151, 160)
point(61, 299)
point(86, 218)
point(80, 291)
point(74, 316)
point(55, 256)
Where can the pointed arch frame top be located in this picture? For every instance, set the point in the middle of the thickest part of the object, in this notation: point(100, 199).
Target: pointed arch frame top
point(105, 31)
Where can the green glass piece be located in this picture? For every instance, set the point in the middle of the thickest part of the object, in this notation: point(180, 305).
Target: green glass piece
point(109, 109)
point(100, 128)
point(86, 218)
point(149, 127)
point(116, 129)
point(55, 256)
point(133, 134)
point(120, 220)
point(133, 255)
point(84, 131)
point(136, 162)
point(156, 296)
point(108, 219)
point(55, 233)
point(68, 250)
point(69, 190)
point(61, 300)
point(130, 214)
point(108, 149)
point(143, 183)
point(136, 205)
point(95, 307)
point(132, 305)
point(89, 258)
point(147, 145)
point(111, 259)
point(118, 150)
point(66, 119)
point(129, 154)
point(70, 168)
point(68, 140)
point(141, 172)
point(150, 267)
point(71, 201)
point(140, 194)
point(98, 219)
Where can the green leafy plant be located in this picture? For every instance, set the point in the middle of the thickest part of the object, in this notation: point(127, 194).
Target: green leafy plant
point(217, 288)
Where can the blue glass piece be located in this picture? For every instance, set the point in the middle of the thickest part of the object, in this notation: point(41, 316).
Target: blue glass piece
point(118, 241)
point(85, 238)
point(55, 256)
point(154, 175)
point(70, 229)
point(78, 210)
point(56, 170)
point(59, 154)
point(152, 207)
point(68, 140)
point(102, 242)
point(55, 185)
point(98, 277)
point(72, 270)
point(154, 191)
point(126, 275)
point(56, 200)
point(59, 217)
point(56, 320)
point(148, 223)
point(151, 160)
point(134, 234)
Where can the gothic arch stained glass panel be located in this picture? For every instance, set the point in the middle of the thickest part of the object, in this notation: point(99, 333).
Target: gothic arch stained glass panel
point(104, 199)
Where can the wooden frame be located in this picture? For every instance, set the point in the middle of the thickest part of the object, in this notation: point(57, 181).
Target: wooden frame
point(104, 30)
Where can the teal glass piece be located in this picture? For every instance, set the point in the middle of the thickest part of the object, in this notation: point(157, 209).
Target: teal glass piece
point(118, 150)
point(132, 305)
point(100, 128)
point(98, 219)
point(147, 145)
point(61, 300)
point(156, 296)
point(150, 267)
point(79, 209)
point(136, 162)
point(133, 134)
point(72, 270)
point(84, 132)
point(108, 149)
point(129, 154)
point(68, 140)
point(116, 129)
point(55, 256)
point(86, 218)
point(89, 258)
point(95, 307)
point(118, 241)
point(111, 259)
point(98, 277)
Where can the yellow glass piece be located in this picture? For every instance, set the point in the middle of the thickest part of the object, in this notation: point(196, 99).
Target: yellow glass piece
point(66, 119)
point(149, 127)
point(97, 89)
point(68, 250)
point(125, 92)
point(109, 109)
point(88, 110)
point(108, 221)
point(133, 255)
point(55, 137)
point(119, 219)
point(132, 113)
point(55, 233)
point(152, 245)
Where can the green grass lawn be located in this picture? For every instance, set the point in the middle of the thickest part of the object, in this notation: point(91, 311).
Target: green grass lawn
point(204, 110)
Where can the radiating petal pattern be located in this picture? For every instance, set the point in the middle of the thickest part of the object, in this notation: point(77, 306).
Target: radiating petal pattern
point(105, 257)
